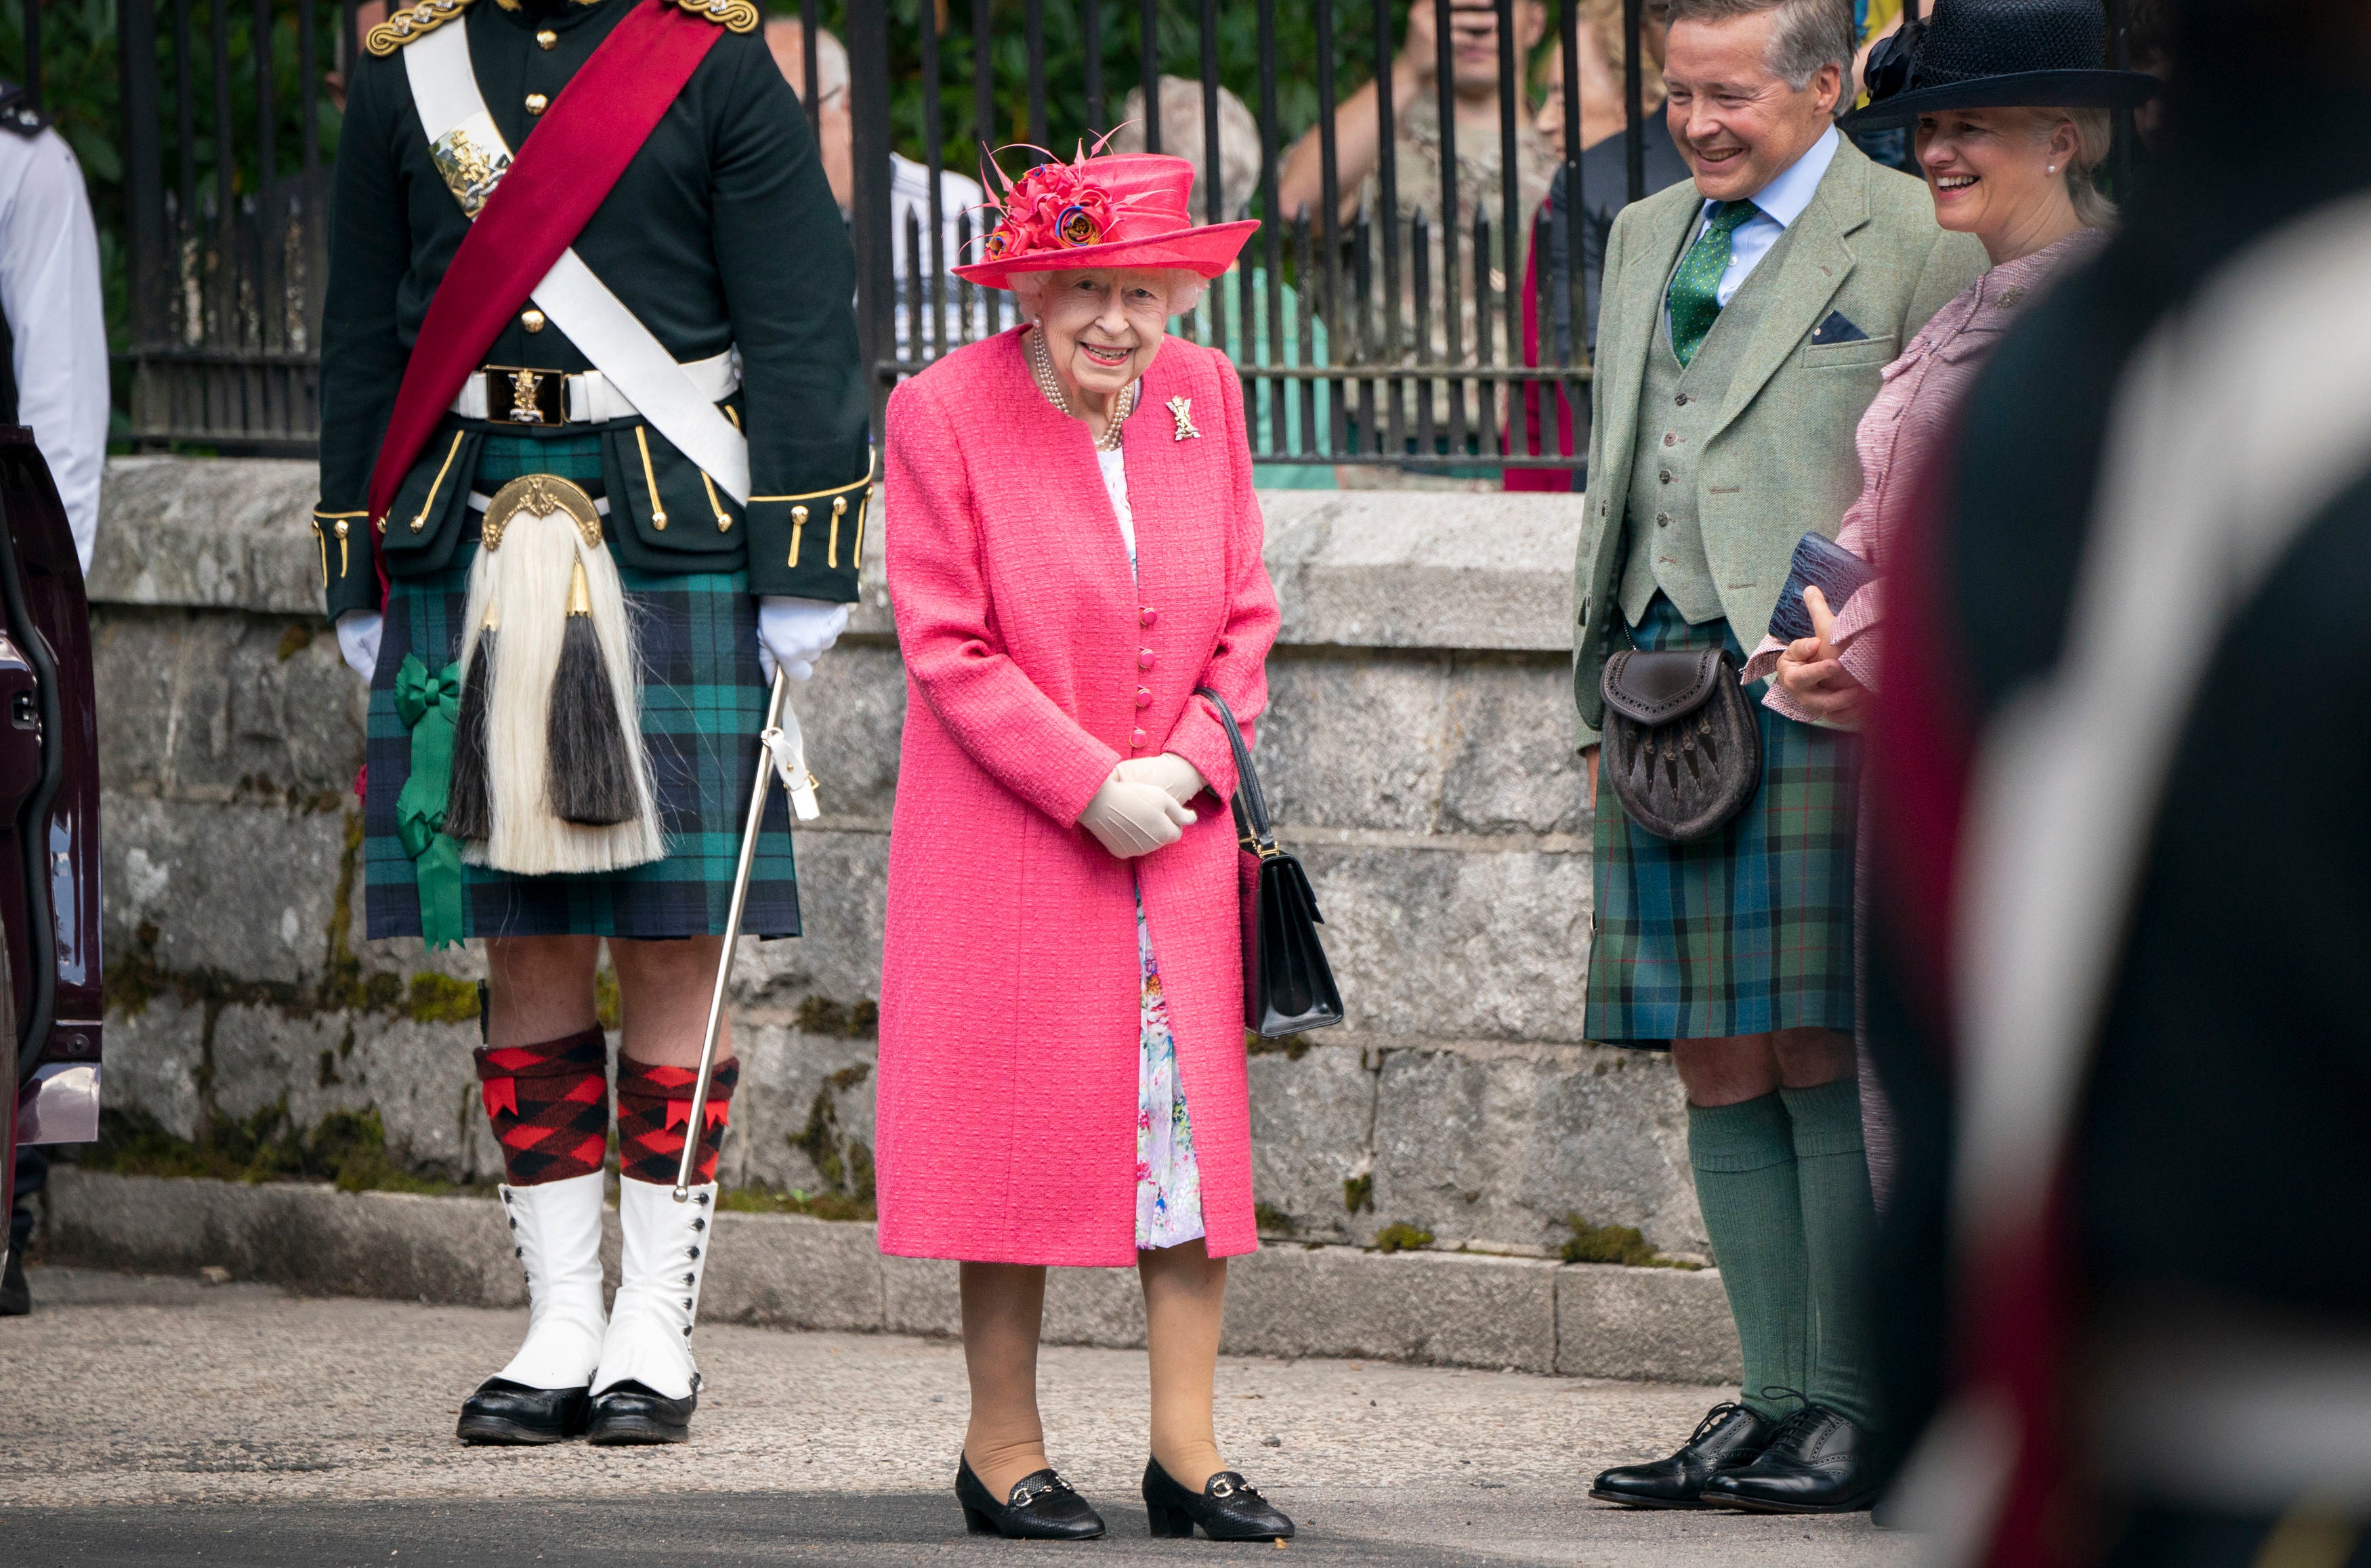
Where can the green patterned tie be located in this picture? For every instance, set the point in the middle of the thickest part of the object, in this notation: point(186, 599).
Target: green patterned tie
point(1696, 287)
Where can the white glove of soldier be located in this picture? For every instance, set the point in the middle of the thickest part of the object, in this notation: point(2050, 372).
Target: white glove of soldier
point(797, 632)
point(1132, 819)
point(358, 632)
point(1169, 773)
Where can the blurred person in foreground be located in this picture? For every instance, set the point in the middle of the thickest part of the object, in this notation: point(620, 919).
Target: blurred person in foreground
point(1605, 191)
point(1239, 168)
point(1749, 317)
point(2023, 181)
point(1419, 182)
point(2121, 868)
point(1062, 828)
point(53, 379)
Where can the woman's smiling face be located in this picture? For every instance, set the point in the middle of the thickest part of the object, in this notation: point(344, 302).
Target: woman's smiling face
point(1990, 171)
point(1102, 326)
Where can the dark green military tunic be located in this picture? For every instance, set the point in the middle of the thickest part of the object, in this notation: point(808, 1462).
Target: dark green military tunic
point(722, 233)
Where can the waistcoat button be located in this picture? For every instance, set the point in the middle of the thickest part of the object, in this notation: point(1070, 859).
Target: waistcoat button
point(1146, 617)
point(1144, 696)
point(545, 38)
point(537, 103)
point(1136, 738)
point(1144, 658)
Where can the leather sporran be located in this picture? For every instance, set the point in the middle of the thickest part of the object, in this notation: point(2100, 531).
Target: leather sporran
point(1288, 984)
point(1682, 748)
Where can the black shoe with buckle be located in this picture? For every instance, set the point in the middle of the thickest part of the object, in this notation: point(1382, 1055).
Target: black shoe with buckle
point(1817, 1462)
point(1042, 1507)
point(1228, 1507)
point(1729, 1436)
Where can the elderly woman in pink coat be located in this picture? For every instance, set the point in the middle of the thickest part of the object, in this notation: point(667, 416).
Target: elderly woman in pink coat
point(1073, 552)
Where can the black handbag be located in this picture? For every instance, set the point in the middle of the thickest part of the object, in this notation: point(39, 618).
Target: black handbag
point(1288, 984)
point(1682, 749)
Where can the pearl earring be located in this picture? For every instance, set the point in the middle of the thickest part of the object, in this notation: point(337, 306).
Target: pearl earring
point(2053, 169)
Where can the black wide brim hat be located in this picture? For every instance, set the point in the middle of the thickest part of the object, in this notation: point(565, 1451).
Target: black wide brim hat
point(1997, 54)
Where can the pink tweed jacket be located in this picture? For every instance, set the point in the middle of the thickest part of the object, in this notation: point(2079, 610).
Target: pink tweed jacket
point(1908, 418)
point(1034, 663)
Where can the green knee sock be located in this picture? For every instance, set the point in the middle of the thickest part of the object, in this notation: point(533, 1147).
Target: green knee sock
point(1744, 1160)
point(1839, 1233)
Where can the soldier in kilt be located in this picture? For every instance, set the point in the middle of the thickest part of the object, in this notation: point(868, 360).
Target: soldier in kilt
point(681, 585)
point(1747, 318)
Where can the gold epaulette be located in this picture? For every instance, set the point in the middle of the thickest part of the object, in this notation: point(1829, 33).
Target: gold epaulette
point(736, 15)
point(413, 22)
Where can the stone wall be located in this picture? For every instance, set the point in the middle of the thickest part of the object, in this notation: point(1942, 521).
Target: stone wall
point(1418, 754)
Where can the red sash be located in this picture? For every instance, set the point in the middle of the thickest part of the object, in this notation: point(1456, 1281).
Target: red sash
point(557, 179)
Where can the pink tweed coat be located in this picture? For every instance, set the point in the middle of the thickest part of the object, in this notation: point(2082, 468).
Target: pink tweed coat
point(1034, 665)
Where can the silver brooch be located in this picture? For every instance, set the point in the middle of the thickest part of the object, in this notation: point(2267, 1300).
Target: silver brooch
point(1182, 410)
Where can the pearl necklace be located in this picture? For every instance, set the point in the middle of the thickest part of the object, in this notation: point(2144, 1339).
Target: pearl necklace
point(1041, 365)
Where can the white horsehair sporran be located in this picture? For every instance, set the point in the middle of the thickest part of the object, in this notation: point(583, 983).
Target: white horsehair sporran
point(548, 772)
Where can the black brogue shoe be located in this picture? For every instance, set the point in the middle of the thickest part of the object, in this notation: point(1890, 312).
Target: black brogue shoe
point(1817, 1462)
point(1730, 1436)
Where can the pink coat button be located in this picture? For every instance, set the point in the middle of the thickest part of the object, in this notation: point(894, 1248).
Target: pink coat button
point(1144, 658)
point(1136, 737)
point(1144, 696)
point(1146, 617)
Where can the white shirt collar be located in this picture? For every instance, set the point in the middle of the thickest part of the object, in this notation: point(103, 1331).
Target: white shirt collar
point(1783, 200)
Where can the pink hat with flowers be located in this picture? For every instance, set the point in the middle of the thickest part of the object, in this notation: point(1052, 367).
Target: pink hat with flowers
point(1117, 210)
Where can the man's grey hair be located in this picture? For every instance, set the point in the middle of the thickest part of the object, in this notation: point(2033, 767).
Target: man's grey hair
point(1810, 34)
point(1181, 136)
point(786, 37)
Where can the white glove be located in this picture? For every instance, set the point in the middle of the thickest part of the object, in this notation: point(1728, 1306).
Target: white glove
point(1134, 819)
point(358, 632)
point(797, 632)
point(1170, 773)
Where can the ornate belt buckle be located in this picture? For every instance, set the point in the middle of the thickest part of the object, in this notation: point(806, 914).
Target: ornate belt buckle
point(517, 395)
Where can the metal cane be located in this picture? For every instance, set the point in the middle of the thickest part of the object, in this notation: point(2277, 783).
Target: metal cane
point(770, 757)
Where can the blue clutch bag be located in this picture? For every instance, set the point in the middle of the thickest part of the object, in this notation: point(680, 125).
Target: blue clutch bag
point(1820, 563)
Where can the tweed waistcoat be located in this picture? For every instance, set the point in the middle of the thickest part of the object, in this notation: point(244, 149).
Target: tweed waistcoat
point(1677, 407)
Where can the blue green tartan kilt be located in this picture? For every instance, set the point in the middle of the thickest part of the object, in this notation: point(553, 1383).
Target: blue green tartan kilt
point(703, 703)
point(1746, 931)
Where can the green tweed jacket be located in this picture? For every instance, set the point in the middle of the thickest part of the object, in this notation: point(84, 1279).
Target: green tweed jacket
point(1781, 460)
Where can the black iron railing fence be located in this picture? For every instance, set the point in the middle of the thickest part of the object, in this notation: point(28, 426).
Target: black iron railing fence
point(1415, 323)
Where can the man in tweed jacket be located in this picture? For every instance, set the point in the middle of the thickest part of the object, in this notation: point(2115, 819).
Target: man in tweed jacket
point(1747, 319)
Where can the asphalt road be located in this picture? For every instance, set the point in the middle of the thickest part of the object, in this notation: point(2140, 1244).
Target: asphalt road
point(151, 1421)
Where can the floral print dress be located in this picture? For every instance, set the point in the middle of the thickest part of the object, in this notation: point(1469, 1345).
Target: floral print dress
point(1168, 1180)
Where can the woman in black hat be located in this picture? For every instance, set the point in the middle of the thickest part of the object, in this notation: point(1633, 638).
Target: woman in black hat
point(2011, 111)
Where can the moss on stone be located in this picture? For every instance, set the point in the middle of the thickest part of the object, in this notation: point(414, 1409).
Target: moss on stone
point(348, 1148)
point(815, 1206)
point(821, 1015)
point(1614, 1244)
point(1292, 1047)
point(440, 998)
point(1402, 1237)
point(1273, 1221)
point(1358, 1195)
point(294, 641)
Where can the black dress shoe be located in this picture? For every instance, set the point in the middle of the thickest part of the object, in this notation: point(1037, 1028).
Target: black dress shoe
point(627, 1413)
point(1730, 1436)
point(1817, 1462)
point(505, 1412)
point(1227, 1508)
point(1041, 1507)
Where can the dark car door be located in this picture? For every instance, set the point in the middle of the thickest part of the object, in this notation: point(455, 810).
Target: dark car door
point(49, 817)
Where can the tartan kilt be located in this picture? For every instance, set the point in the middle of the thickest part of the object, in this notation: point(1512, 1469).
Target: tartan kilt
point(703, 703)
point(1744, 932)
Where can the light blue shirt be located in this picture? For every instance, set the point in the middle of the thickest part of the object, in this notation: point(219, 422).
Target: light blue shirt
point(1777, 206)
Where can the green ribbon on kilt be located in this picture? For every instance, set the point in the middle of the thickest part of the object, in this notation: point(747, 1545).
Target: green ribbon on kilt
point(430, 707)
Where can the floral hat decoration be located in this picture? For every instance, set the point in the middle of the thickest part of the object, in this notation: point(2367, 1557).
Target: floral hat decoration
point(1099, 210)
